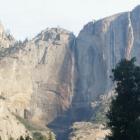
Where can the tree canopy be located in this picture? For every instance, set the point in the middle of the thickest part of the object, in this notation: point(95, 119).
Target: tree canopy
point(124, 113)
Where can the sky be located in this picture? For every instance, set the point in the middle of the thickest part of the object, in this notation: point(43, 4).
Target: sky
point(26, 18)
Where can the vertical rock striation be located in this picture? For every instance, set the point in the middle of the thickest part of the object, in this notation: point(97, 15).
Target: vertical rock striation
point(56, 72)
point(35, 76)
point(52, 83)
point(99, 47)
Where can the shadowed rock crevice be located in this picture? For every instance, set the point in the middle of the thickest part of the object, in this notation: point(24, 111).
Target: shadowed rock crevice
point(55, 76)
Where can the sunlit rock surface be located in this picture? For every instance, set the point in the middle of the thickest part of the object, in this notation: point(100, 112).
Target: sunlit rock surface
point(36, 78)
point(88, 131)
point(99, 47)
point(56, 73)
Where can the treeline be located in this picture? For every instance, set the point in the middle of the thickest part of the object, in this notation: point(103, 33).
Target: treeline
point(36, 136)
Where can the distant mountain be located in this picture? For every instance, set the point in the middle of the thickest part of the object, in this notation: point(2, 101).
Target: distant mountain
point(55, 78)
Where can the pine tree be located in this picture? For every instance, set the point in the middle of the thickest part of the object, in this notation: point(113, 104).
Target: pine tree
point(124, 113)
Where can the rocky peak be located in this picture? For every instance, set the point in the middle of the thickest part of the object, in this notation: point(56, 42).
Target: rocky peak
point(46, 77)
point(1, 29)
point(99, 46)
point(6, 40)
point(52, 34)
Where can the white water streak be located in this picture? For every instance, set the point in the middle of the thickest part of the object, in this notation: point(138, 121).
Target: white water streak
point(130, 37)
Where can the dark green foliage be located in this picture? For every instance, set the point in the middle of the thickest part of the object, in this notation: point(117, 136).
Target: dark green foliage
point(124, 113)
point(25, 138)
point(28, 138)
point(21, 138)
point(39, 136)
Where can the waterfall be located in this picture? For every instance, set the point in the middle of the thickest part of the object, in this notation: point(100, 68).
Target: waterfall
point(72, 71)
point(130, 37)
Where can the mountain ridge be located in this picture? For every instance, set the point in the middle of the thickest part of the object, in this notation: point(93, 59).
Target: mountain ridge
point(54, 78)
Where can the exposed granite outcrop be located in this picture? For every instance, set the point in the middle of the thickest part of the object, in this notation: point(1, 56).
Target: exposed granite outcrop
point(99, 47)
point(56, 72)
point(36, 78)
point(88, 131)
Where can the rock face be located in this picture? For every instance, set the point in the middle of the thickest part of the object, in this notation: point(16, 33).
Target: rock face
point(99, 47)
point(36, 77)
point(88, 131)
point(52, 74)
point(10, 127)
point(6, 40)
point(56, 72)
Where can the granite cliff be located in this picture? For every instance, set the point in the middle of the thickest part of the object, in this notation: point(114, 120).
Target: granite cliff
point(35, 76)
point(99, 47)
point(56, 75)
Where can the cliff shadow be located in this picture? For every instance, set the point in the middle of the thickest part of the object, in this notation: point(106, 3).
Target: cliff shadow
point(61, 126)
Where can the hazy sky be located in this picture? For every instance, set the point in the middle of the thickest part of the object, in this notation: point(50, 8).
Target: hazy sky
point(26, 18)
